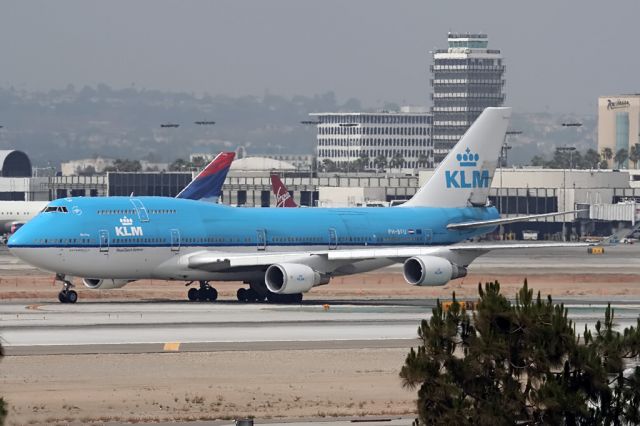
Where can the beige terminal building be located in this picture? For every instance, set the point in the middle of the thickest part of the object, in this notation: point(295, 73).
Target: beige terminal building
point(618, 123)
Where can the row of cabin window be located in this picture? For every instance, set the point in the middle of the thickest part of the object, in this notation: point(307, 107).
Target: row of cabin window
point(215, 240)
point(318, 239)
point(354, 239)
point(138, 240)
point(296, 239)
point(402, 238)
point(130, 211)
point(64, 241)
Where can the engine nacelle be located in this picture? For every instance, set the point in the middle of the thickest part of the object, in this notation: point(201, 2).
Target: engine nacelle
point(431, 271)
point(106, 284)
point(292, 278)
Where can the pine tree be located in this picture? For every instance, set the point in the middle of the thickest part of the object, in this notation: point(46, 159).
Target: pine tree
point(522, 362)
point(3, 404)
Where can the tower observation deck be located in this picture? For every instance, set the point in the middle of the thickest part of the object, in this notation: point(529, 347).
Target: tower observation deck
point(467, 77)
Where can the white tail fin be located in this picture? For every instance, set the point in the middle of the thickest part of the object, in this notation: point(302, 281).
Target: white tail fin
point(464, 177)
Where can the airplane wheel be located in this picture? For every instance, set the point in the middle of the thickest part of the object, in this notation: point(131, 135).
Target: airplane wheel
point(277, 298)
point(242, 294)
point(295, 298)
point(72, 296)
point(212, 294)
point(202, 294)
point(252, 296)
point(62, 297)
point(192, 294)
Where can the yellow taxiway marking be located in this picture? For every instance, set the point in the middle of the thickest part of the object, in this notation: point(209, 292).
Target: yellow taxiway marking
point(33, 307)
point(172, 347)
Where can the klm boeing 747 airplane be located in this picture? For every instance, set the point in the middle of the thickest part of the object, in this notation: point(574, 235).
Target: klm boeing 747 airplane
point(279, 253)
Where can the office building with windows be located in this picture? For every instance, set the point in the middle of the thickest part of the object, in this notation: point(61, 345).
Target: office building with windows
point(467, 77)
point(618, 127)
point(380, 139)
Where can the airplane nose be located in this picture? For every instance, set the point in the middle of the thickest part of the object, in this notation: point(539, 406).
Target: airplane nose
point(18, 238)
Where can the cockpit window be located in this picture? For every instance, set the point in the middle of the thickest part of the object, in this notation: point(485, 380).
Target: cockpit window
point(55, 209)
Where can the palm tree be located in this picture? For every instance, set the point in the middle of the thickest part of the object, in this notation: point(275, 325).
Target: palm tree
point(178, 165)
point(607, 155)
point(634, 155)
point(422, 160)
point(591, 159)
point(380, 162)
point(329, 165)
point(537, 161)
point(397, 161)
point(364, 161)
point(621, 157)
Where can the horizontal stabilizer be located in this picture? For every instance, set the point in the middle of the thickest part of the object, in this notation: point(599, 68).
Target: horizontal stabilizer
point(494, 222)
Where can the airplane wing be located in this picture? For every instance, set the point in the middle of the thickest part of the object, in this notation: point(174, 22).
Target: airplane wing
point(493, 222)
point(208, 183)
point(220, 261)
point(464, 253)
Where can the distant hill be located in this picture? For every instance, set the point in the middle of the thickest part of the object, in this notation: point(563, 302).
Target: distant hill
point(543, 132)
point(60, 125)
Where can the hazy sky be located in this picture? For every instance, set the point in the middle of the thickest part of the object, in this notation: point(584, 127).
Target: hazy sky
point(560, 55)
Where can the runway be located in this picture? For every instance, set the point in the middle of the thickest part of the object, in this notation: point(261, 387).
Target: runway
point(41, 329)
point(41, 326)
point(337, 355)
point(153, 327)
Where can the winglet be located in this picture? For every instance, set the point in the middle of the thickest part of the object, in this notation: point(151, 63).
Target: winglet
point(283, 197)
point(208, 183)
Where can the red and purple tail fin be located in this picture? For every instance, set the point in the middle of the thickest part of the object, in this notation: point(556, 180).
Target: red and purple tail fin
point(208, 183)
point(283, 198)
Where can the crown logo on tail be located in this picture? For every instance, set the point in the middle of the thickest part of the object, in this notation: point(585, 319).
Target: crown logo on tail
point(468, 158)
point(126, 221)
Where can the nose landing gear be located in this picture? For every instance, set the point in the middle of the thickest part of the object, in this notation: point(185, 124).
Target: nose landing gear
point(66, 295)
point(202, 294)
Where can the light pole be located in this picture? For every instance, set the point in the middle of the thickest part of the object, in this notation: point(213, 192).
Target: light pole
point(504, 151)
point(502, 162)
point(570, 150)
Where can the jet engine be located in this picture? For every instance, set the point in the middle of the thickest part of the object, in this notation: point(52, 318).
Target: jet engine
point(292, 278)
point(431, 271)
point(95, 283)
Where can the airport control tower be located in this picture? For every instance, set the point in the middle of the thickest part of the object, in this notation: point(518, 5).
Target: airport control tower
point(467, 78)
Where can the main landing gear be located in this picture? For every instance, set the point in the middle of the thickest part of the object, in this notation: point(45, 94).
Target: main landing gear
point(202, 294)
point(250, 295)
point(66, 295)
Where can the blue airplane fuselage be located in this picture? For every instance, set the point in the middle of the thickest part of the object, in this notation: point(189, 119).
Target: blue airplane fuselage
point(167, 222)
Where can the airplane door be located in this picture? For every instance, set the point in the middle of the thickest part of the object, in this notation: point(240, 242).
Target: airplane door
point(261, 238)
point(427, 236)
point(175, 240)
point(333, 239)
point(143, 215)
point(103, 237)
